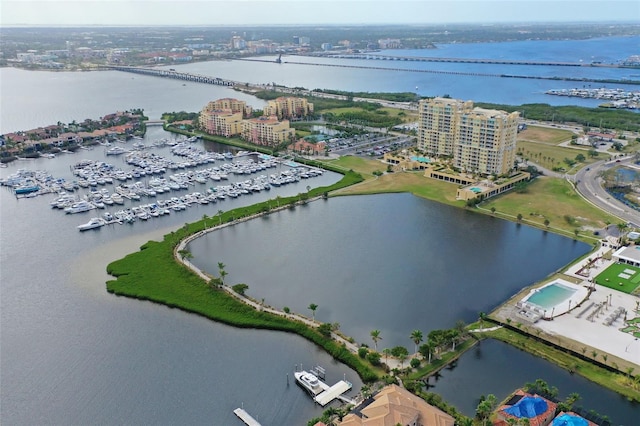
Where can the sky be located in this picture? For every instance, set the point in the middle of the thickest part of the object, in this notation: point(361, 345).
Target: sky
point(305, 12)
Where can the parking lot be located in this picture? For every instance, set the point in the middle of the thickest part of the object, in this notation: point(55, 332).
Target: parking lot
point(369, 144)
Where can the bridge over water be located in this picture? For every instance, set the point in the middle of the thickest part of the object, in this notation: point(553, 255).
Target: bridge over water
point(466, 60)
point(157, 72)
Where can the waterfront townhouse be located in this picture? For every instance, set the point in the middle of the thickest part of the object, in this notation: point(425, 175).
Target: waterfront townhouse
point(267, 131)
point(288, 107)
point(222, 122)
point(477, 140)
point(231, 104)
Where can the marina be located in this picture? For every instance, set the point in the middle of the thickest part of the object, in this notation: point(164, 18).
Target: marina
point(616, 97)
point(98, 185)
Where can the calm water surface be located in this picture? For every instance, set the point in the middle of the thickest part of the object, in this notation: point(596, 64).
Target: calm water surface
point(391, 262)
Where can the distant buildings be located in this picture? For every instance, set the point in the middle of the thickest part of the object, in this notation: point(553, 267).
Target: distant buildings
point(234, 105)
point(229, 117)
point(477, 140)
point(288, 107)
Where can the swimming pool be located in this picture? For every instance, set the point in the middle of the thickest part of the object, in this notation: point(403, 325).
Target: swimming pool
point(550, 295)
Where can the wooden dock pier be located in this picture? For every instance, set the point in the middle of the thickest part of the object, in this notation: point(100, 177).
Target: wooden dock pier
point(246, 417)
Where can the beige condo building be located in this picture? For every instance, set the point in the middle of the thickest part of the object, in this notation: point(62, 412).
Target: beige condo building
point(288, 107)
point(267, 131)
point(231, 104)
point(221, 122)
point(478, 140)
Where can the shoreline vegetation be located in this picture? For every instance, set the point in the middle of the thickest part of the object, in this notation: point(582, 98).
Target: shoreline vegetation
point(165, 277)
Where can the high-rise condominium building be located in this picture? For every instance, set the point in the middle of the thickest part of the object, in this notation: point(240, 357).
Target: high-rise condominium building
point(478, 140)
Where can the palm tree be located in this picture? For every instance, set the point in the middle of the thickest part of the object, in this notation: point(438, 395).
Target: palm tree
point(416, 337)
point(222, 272)
point(312, 307)
point(386, 353)
point(482, 317)
point(220, 216)
point(375, 336)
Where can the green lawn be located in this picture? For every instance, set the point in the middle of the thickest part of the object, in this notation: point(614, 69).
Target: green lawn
point(610, 278)
point(553, 199)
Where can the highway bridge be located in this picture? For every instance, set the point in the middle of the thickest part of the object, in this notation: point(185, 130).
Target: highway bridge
point(464, 60)
point(157, 72)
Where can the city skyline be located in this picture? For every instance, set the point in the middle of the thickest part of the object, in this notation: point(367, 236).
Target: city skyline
point(309, 12)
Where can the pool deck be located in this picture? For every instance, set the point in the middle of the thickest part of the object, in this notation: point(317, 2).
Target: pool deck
point(593, 332)
point(584, 326)
point(581, 294)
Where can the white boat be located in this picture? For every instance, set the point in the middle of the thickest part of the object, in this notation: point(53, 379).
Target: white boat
point(117, 198)
point(309, 381)
point(79, 207)
point(95, 222)
point(115, 150)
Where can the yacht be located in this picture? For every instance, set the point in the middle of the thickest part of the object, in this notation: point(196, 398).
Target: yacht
point(79, 207)
point(95, 222)
point(309, 381)
point(116, 150)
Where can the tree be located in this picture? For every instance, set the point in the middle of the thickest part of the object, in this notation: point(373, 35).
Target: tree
point(312, 307)
point(240, 288)
point(220, 216)
point(222, 272)
point(546, 222)
point(185, 254)
point(386, 352)
point(416, 337)
point(580, 158)
point(485, 408)
point(482, 317)
point(519, 217)
point(493, 210)
point(427, 350)
point(375, 336)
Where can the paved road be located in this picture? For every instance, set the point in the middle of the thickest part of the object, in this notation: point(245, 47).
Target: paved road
point(589, 185)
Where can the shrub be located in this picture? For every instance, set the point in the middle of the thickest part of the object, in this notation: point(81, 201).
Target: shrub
point(415, 363)
point(374, 358)
point(362, 352)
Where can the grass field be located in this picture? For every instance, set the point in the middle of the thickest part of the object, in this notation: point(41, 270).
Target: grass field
point(544, 135)
point(610, 277)
point(550, 156)
point(553, 199)
point(364, 166)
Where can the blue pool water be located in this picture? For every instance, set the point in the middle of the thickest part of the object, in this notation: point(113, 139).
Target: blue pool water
point(476, 189)
point(549, 296)
point(420, 159)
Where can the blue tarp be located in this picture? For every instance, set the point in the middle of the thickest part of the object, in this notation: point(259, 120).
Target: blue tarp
point(529, 407)
point(569, 420)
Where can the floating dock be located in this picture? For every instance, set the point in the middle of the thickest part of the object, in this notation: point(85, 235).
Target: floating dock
point(246, 417)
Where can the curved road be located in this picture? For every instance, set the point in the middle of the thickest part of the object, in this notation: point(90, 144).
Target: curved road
point(589, 184)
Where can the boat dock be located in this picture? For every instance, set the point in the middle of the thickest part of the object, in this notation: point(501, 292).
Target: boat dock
point(246, 417)
point(333, 392)
point(321, 392)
